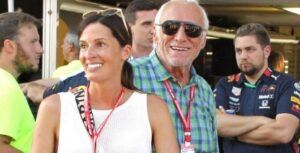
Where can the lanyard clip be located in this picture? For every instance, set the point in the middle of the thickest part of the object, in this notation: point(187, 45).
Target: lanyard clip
point(187, 138)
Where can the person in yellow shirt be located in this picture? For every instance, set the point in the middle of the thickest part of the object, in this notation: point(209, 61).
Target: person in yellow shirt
point(71, 50)
point(20, 51)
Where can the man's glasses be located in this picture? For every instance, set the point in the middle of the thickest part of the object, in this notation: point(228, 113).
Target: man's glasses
point(107, 12)
point(171, 27)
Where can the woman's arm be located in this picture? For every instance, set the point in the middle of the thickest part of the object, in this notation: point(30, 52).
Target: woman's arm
point(162, 127)
point(47, 125)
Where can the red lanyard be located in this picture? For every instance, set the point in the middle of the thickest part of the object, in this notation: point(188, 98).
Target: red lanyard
point(186, 121)
point(90, 121)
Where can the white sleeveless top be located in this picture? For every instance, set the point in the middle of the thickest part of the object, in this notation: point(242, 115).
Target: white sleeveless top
point(128, 129)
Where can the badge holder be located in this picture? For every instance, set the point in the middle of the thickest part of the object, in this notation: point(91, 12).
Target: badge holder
point(187, 148)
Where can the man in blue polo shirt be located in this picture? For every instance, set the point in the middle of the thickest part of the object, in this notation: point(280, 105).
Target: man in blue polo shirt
point(258, 109)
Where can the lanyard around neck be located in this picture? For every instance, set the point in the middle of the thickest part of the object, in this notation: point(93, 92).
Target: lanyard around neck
point(94, 134)
point(185, 120)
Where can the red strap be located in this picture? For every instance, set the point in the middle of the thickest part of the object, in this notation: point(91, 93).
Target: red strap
point(90, 121)
point(185, 121)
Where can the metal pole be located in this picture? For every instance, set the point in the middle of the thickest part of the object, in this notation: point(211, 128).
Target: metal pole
point(11, 5)
point(49, 36)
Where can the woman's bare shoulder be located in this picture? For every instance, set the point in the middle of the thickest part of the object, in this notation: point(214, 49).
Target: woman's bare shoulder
point(50, 105)
point(156, 106)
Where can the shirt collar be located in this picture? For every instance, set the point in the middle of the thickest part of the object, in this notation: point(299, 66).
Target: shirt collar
point(264, 78)
point(161, 72)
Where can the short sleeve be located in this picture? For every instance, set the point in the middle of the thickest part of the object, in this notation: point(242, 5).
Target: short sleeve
point(221, 94)
point(10, 117)
point(289, 100)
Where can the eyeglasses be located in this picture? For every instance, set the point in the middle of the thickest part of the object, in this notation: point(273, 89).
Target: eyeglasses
point(171, 27)
point(107, 12)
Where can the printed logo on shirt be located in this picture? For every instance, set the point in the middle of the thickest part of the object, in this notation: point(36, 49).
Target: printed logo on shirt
point(275, 77)
point(297, 86)
point(234, 99)
point(234, 105)
point(295, 100)
point(268, 96)
point(236, 91)
point(264, 105)
point(296, 93)
point(234, 77)
point(271, 88)
point(268, 89)
point(78, 88)
point(264, 88)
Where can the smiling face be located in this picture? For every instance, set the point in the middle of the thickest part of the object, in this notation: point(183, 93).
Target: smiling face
point(179, 50)
point(29, 49)
point(100, 53)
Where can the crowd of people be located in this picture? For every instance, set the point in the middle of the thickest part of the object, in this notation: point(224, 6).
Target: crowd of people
point(136, 90)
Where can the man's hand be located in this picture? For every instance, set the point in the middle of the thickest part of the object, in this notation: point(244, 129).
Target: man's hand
point(33, 91)
point(24, 87)
point(221, 110)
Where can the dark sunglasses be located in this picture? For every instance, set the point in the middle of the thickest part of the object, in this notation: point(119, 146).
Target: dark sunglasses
point(171, 27)
point(107, 12)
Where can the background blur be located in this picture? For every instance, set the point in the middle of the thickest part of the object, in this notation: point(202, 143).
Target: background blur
point(216, 60)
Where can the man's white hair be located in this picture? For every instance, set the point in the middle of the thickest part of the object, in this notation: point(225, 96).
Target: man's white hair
point(195, 2)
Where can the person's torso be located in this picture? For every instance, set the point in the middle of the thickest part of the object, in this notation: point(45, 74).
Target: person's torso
point(127, 130)
point(269, 97)
point(16, 118)
point(149, 77)
point(67, 70)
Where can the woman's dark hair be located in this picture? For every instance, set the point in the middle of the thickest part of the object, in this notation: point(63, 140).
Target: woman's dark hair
point(115, 23)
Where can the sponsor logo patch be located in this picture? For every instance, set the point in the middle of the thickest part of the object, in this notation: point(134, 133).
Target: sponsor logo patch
point(275, 77)
point(234, 105)
point(297, 86)
point(297, 94)
point(269, 96)
point(264, 88)
point(236, 91)
point(77, 89)
point(264, 104)
point(234, 99)
point(272, 88)
point(295, 100)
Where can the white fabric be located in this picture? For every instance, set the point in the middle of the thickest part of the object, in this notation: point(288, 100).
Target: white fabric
point(128, 129)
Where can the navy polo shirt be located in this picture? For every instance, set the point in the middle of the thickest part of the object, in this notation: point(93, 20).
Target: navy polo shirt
point(65, 85)
point(274, 93)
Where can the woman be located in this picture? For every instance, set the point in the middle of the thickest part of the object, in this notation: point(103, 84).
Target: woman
point(126, 120)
